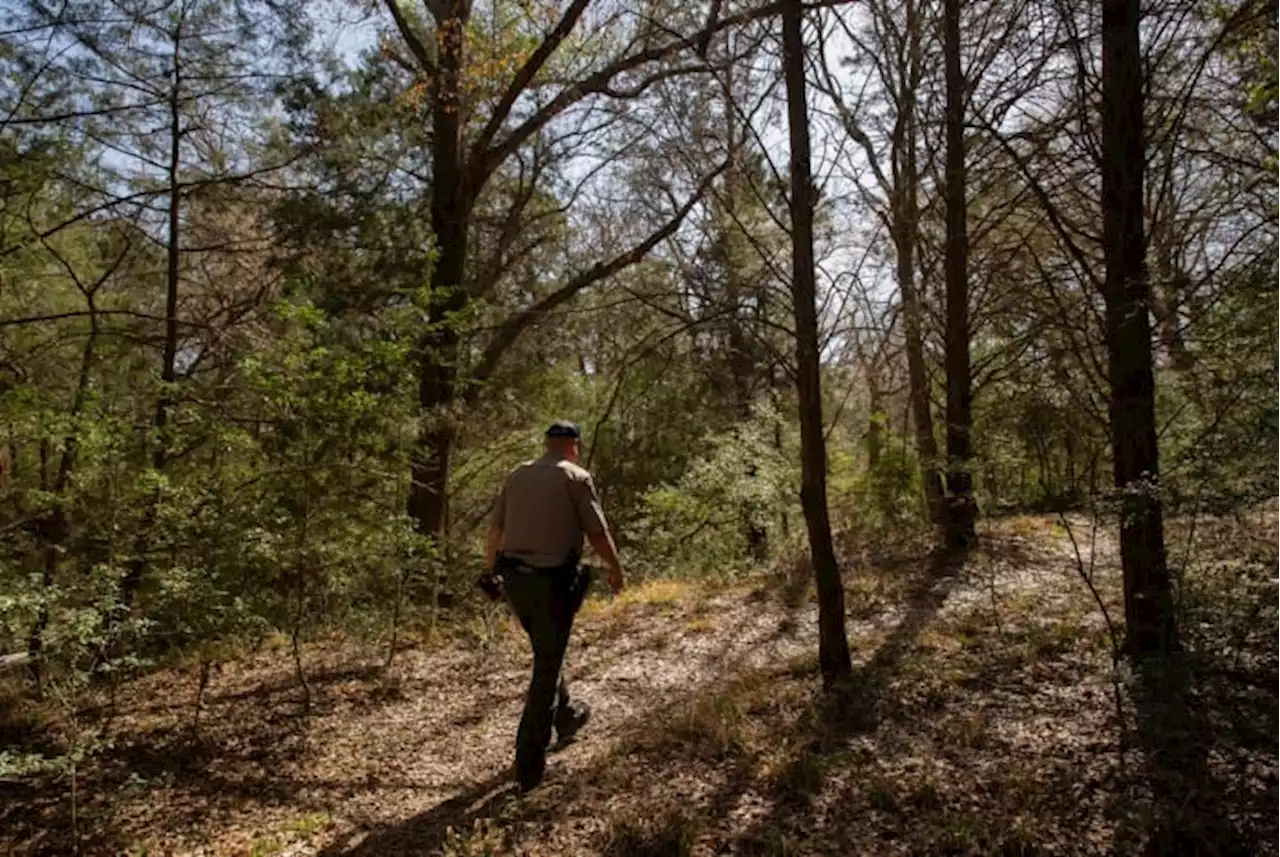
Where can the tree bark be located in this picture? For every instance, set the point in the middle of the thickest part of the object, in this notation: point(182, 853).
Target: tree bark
point(906, 216)
point(833, 645)
point(905, 219)
point(437, 349)
point(160, 449)
point(1151, 628)
point(962, 510)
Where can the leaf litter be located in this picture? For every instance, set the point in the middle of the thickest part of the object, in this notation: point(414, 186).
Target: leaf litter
point(984, 717)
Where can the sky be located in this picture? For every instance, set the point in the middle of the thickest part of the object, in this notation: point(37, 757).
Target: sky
point(350, 31)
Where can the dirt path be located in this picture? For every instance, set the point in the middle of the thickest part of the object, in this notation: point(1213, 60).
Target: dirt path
point(985, 703)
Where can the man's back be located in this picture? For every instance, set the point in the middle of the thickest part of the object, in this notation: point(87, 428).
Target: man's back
point(545, 508)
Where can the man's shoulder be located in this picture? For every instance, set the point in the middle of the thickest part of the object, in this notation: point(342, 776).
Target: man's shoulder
point(521, 467)
point(574, 471)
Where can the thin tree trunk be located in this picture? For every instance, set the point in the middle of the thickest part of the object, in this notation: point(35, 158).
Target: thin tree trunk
point(833, 645)
point(741, 365)
point(169, 357)
point(962, 510)
point(1147, 588)
point(875, 425)
point(905, 213)
point(54, 529)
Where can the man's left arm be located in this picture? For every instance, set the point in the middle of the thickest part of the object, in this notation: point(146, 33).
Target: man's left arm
point(489, 580)
point(492, 545)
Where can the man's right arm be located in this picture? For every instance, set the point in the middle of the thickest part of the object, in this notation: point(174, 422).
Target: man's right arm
point(591, 518)
point(602, 542)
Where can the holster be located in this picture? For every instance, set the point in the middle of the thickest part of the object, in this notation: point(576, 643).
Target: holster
point(573, 578)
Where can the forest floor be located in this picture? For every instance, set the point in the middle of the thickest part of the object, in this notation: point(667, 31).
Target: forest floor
point(986, 715)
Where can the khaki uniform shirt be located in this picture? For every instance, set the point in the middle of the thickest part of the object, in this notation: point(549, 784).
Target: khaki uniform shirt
point(545, 507)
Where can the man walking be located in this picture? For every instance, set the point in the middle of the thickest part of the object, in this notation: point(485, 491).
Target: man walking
point(534, 547)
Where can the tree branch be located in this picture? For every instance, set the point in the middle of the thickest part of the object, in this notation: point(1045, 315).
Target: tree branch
point(528, 72)
point(484, 161)
point(416, 45)
point(509, 331)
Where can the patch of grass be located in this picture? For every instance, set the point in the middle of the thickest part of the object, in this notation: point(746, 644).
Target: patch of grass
point(881, 794)
point(1026, 527)
point(718, 724)
point(706, 624)
point(803, 666)
point(673, 834)
point(923, 797)
point(265, 846)
point(965, 832)
point(309, 825)
point(804, 774)
point(772, 843)
point(301, 828)
point(484, 838)
point(968, 730)
point(658, 594)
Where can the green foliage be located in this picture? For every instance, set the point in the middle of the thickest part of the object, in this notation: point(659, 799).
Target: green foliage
point(1220, 438)
point(1249, 40)
point(875, 483)
point(697, 526)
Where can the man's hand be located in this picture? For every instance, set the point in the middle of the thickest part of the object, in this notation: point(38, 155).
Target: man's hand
point(490, 582)
point(603, 544)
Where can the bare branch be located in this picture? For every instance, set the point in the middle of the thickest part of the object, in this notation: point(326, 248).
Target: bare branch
point(509, 331)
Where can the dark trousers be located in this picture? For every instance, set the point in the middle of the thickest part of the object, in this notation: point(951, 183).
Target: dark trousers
point(545, 601)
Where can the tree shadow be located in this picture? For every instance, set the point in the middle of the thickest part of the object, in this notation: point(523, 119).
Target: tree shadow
point(857, 704)
point(1191, 735)
point(321, 679)
point(428, 832)
point(850, 708)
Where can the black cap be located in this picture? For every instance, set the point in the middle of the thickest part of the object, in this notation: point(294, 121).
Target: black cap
point(564, 428)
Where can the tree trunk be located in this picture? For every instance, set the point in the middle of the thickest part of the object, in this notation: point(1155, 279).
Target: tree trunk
point(160, 450)
point(875, 425)
point(962, 511)
point(833, 645)
point(742, 365)
point(437, 348)
point(1148, 601)
point(53, 530)
point(905, 213)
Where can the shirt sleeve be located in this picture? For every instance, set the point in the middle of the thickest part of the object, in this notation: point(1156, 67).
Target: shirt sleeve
point(587, 504)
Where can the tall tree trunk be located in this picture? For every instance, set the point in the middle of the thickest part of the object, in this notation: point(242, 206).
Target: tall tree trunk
point(1148, 601)
point(833, 645)
point(962, 510)
point(53, 530)
point(875, 423)
point(161, 442)
point(905, 214)
point(904, 240)
point(742, 366)
point(437, 348)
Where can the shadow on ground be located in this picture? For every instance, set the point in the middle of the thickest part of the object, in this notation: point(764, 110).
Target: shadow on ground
point(819, 733)
point(428, 832)
point(1200, 739)
point(246, 751)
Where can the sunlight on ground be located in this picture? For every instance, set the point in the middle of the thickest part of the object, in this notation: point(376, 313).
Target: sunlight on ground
point(982, 717)
point(655, 593)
